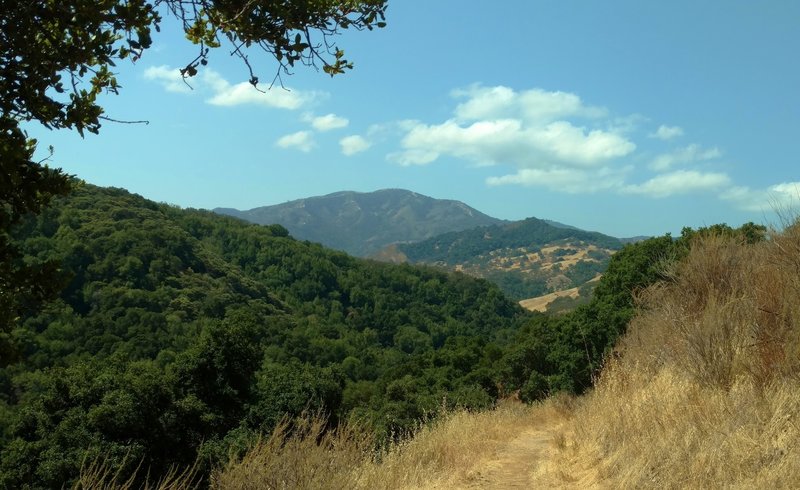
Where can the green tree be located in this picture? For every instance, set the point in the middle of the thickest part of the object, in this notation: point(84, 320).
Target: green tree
point(58, 56)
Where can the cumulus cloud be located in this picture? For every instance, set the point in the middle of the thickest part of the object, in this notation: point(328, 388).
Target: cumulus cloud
point(530, 105)
point(683, 156)
point(169, 78)
point(354, 144)
point(301, 140)
point(226, 94)
point(510, 141)
point(779, 197)
point(327, 122)
point(536, 131)
point(667, 132)
point(569, 180)
point(679, 182)
point(527, 129)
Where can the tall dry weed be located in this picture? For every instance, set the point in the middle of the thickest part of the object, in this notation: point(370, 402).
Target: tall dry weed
point(300, 454)
point(97, 474)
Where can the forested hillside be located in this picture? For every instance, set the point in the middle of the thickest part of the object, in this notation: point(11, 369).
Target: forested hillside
point(525, 258)
point(181, 334)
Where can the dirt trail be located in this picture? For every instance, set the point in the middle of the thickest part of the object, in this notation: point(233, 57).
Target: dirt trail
point(515, 463)
point(527, 461)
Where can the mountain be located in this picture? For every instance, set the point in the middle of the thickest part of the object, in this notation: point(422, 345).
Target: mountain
point(363, 223)
point(525, 258)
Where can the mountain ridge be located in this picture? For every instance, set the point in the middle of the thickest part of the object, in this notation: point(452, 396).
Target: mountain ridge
point(362, 223)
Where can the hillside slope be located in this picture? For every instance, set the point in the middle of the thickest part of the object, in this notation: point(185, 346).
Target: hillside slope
point(180, 335)
point(527, 258)
point(363, 223)
point(705, 390)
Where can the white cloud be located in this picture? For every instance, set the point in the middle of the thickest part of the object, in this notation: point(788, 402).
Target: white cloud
point(170, 78)
point(301, 140)
point(511, 141)
point(569, 180)
point(223, 93)
point(667, 132)
point(625, 124)
point(572, 144)
point(554, 140)
point(244, 93)
point(214, 81)
point(531, 130)
point(777, 198)
point(679, 182)
point(354, 144)
point(682, 156)
point(327, 122)
point(531, 105)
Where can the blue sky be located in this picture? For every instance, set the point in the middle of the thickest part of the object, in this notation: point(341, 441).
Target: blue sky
point(625, 117)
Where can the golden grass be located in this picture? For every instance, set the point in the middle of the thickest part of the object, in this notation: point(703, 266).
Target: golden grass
point(706, 390)
point(301, 454)
point(540, 303)
point(454, 451)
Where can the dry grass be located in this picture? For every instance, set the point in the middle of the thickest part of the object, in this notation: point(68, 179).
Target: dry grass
point(446, 453)
point(540, 303)
point(301, 454)
point(454, 451)
point(706, 392)
point(98, 475)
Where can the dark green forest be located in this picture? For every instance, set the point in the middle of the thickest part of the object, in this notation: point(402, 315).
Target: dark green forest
point(179, 336)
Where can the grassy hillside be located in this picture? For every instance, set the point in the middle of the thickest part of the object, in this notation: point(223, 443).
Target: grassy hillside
point(526, 258)
point(181, 335)
point(705, 390)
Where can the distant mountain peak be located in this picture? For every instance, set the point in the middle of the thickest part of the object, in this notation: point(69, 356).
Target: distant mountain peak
point(362, 223)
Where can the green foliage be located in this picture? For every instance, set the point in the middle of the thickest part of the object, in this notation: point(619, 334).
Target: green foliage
point(58, 57)
point(182, 334)
point(25, 187)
